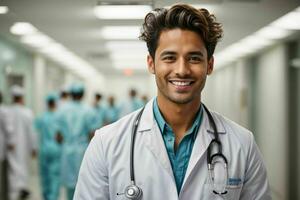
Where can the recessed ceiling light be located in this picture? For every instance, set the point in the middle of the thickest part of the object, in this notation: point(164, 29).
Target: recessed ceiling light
point(3, 9)
point(22, 28)
point(121, 11)
point(272, 32)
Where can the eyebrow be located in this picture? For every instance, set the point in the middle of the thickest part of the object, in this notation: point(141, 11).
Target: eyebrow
point(196, 53)
point(167, 53)
point(199, 53)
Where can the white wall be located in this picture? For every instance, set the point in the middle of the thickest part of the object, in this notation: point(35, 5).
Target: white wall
point(226, 92)
point(39, 80)
point(271, 117)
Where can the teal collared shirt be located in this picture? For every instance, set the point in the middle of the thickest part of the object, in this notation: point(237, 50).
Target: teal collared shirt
point(180, 158)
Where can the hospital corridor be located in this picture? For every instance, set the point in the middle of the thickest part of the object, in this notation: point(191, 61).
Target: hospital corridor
point(73, 71)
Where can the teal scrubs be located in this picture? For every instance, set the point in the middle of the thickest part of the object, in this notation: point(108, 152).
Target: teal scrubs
point(99, 112)
point(49, 155)
point(112, 114)
point(76, 122)
point(136, 103)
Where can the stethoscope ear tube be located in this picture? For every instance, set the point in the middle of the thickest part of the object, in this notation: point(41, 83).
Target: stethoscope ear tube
point(134, 130)
point(133, 191)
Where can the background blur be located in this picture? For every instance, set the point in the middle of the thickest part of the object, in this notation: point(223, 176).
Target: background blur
point(48, 45)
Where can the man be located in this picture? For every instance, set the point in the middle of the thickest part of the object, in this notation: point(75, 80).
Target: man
point(76, 123)
point(181, 150)
point(21, 145)
point(50, 150)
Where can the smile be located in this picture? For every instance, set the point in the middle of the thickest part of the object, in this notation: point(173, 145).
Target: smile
point(181, 83)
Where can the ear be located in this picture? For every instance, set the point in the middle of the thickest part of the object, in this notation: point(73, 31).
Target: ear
point(150, 63)
point(210, 65)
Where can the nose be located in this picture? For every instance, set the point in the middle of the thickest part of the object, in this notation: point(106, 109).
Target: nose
point(182, 68)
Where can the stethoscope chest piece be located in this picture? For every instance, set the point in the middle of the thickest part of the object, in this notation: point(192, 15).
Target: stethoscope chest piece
point(133, 192)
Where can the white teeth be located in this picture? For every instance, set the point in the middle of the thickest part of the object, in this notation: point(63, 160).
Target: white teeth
point(181, 83)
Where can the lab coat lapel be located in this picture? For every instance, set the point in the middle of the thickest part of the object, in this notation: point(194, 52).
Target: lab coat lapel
point(155, 144)
point(203, 139)
point(200, 145)
point(153, 138)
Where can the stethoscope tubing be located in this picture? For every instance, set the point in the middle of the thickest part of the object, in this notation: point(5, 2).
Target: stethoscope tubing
point(210, 156)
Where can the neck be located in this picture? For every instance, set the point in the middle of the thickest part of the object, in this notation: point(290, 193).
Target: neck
point(179, 116)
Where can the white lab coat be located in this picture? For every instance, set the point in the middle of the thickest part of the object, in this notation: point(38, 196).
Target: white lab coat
point(105, 169)
point(23, 138)
point(3, 132)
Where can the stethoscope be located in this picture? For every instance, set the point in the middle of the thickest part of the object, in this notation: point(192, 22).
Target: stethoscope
point(134, 192)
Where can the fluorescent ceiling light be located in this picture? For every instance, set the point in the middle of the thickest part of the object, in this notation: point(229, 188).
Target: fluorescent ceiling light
point(121, 11)
point(289, 21)
point(120, 32)
point(53, 48)
point(253, 43)
point(3, 9)
point(22, 28)
point(36, 40)
point(272, 32)
point(279, 29)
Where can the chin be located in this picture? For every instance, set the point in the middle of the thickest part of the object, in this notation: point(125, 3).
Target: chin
point(182, 100)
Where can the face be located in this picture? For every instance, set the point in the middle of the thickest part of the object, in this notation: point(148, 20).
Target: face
point(180, 66)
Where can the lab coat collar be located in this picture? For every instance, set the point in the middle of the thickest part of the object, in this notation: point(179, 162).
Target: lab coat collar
point(220, 126)
point(147, 120)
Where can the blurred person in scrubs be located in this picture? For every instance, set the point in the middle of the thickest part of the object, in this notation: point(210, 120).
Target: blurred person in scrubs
point(77, 124)
point(64, 96)
point(99, 110)
point(132, 104)
point(50, 149)
point(112, 111)
point(21, 145)
point(3, 160)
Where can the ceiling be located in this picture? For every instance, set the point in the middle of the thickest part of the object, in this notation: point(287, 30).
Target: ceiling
point(73, 23)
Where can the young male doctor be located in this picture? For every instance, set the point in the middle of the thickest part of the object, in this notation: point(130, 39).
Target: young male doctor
point(175, 148)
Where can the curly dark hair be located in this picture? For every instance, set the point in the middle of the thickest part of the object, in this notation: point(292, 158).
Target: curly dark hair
point(185, 17)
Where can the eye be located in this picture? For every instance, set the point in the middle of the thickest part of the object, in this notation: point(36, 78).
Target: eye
point(195, 59)
point(169, 58)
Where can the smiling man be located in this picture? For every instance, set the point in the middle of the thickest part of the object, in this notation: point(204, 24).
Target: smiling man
point(175, 148)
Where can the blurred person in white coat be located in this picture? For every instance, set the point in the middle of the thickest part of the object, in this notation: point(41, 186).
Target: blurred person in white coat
point(175, 148)
point(3, 159)
point(21, 145)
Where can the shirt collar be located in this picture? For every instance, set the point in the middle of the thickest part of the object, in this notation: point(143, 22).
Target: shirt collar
point(162, 123)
